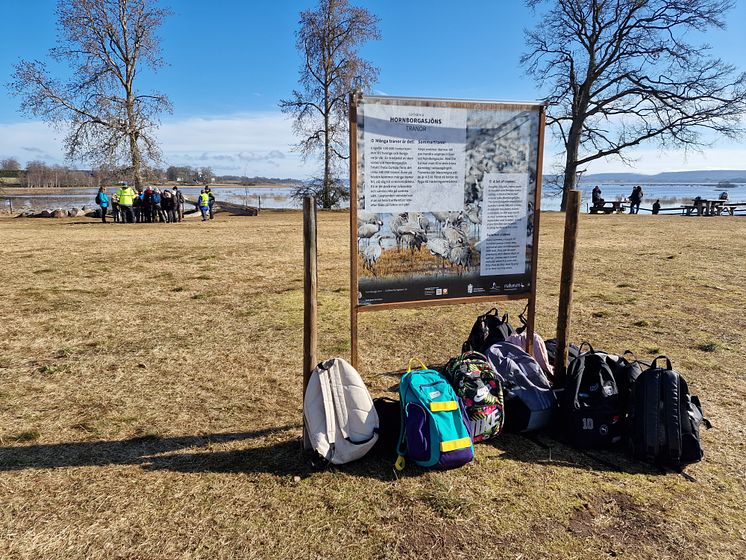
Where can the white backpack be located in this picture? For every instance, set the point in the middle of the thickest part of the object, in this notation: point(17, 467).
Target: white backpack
point(341, 421)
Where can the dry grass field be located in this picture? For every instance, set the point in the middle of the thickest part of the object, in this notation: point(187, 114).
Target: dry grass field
point(150, 390)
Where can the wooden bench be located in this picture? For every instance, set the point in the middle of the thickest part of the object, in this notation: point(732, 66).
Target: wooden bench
point(717, 207)
point(730, 208)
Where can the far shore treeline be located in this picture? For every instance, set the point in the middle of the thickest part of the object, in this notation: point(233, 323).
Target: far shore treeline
point(41, 175)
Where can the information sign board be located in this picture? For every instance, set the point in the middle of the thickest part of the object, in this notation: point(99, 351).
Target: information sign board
point(445, 199)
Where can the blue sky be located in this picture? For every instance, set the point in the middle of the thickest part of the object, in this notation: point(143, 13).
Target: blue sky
point(230, 61)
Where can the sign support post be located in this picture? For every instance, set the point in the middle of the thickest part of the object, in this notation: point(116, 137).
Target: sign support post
point(353, 228)
point(531, 318)
point(310, 303)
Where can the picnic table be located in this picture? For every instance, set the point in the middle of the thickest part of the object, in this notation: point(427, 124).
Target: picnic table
point(608, 207)
point(707, 207)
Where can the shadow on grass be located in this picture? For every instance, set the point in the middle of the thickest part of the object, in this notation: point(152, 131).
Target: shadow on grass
point(545, 450)
point(285, 458)
point(134, 451)
point(281, 458)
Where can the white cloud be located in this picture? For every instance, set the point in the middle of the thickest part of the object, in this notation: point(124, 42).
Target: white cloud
point(31, 140)
point(249, 143)
point(653, 160)
point(261, 144)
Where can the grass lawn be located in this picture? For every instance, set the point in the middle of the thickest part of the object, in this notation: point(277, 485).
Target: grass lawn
point(150, 390)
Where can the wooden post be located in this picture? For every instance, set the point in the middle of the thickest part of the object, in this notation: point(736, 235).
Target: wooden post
point(310, 281)
point(353, 228)
point(531, 319)
point(566, 284)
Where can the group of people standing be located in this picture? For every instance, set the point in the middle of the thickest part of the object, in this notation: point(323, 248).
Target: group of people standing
point(149, 205)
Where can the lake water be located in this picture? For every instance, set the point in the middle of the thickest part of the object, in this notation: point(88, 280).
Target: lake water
point(670, 194)
point(280, 197)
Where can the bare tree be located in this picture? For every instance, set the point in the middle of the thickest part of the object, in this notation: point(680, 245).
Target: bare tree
point(329, 38)
point(206, 175)
point(10, 164)
point(620, 73)
point(38, 174)
point(107, 43)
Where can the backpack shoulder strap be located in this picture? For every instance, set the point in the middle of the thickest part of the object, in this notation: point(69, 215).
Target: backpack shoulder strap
point(338, 397)
point(328, 400)
point(670, 387)
point(650, 419)
point(575, 378)
point(400, 446)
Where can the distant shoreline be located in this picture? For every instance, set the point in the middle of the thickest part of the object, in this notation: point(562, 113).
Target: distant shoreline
point(660, 184)
point(15, 190)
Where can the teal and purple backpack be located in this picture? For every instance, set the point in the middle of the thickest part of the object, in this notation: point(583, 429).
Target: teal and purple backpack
point(434, 431)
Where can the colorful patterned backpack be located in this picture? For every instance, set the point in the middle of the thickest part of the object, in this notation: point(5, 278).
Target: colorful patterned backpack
point(433, 429)
point(478, 385)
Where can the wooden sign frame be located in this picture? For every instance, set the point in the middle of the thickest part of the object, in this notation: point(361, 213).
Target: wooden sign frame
point(355, 307)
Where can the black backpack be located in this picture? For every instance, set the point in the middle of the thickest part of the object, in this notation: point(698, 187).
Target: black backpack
point(551, 344)
point(389, 426)
point(664, 419)
point(590, 406)
point(625, 373)
point(488, 329)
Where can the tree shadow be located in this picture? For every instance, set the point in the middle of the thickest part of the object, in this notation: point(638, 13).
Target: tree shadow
point(134, 451)
point(285, 458)
point(281, 458)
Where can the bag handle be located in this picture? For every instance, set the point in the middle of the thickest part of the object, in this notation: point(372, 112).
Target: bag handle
point(505, 318)
point(668, 362)
point(585, 343)
point(524, 321)
point(409, 365)
point(631, 353)
point(473, 354)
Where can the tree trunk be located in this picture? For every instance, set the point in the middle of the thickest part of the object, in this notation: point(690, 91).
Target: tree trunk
point(326, 197)
point(571, 160)
point(136, 161)
point(326, 193)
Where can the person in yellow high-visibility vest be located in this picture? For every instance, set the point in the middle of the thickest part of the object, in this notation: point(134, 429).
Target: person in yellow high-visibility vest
point(126, 199)
point(204, 204)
